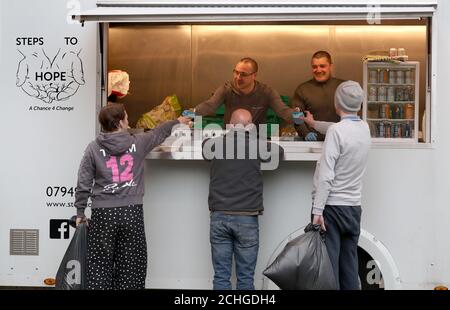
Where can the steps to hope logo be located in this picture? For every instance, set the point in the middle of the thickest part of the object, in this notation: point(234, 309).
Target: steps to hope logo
point(49, 76)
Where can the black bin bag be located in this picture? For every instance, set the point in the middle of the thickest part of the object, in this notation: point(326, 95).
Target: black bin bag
point(72, 271)
point(303, 264)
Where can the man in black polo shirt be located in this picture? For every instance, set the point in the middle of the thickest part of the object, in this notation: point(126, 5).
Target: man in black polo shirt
point(317, 96)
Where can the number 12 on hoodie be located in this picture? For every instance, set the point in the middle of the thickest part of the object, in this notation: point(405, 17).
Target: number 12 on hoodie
point(125, 161)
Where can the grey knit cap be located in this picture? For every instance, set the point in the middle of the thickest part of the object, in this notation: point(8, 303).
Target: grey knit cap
point(349, 96)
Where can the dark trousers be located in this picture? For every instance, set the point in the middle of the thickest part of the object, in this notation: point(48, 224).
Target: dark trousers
point(117, 248)
point(341, 238)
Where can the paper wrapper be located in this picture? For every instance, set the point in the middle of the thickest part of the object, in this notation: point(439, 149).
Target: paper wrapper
point(170, 109)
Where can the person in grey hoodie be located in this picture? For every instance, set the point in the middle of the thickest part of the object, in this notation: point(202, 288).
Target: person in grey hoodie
point(338, 182)
point(111, 173)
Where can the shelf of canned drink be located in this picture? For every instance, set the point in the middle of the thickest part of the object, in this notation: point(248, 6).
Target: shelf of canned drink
point(392, 129)
point(393, 140)
point(390, 93)
point(385, 84)
point(391, 111)
point(391, 119)
point(391, 101)
point(391, 76)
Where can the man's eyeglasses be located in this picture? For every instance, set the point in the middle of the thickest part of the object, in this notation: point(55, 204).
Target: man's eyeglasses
point(243, 74)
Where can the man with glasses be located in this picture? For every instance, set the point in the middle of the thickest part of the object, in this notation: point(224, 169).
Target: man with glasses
point(244, 92)
point(317, 96)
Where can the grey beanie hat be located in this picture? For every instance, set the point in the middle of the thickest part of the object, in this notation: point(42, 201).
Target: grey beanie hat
point(349, 96)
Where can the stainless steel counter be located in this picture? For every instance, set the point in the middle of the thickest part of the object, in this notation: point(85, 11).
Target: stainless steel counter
point(293, 151)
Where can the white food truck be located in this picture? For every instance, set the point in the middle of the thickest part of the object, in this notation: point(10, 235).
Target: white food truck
point(55, 56)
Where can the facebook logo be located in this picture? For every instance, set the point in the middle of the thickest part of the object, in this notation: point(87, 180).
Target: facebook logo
point(59, 229)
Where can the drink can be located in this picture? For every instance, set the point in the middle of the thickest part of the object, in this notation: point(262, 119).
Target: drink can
point(408, 76)
point(296, 117)
point(382, 111)
point(395, 130)
point(409, 111)
point(410, 93)
point(392, 76)
point(382, 93)
point(395, 111)
point(373, 76)
point(372, 93)
point(390, 94)
point(399, 94)
point(387, 110)
point(383, 76)
point(387, 130)
point(406, 94)
point(400, 77)
point(386, 76)
point(380, 129)
point(407, 130)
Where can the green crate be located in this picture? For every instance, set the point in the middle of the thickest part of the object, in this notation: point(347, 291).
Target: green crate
point(206, 120)
point(271, 116)
point(220, 110)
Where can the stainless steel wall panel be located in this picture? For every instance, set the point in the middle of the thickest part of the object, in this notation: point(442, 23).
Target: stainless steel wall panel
point(283, 54)
point(158, 60)
point(193, 60)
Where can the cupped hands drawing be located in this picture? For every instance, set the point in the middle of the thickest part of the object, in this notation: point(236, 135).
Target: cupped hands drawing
point(50, 78)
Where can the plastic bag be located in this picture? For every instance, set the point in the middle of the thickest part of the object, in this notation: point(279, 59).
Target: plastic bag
point(72, 271)
point(118, 83)
point(170, 109)
point(303, 264)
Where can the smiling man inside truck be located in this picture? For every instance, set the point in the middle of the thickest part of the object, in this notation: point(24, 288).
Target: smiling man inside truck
point(245, 92)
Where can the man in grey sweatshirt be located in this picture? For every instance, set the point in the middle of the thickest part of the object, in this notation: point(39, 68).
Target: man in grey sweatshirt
point(111, 173)
point(245, 92)
point(338, 182)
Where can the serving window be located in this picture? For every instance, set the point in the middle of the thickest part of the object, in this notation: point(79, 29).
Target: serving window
point(188, 48)
point(192, 60)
